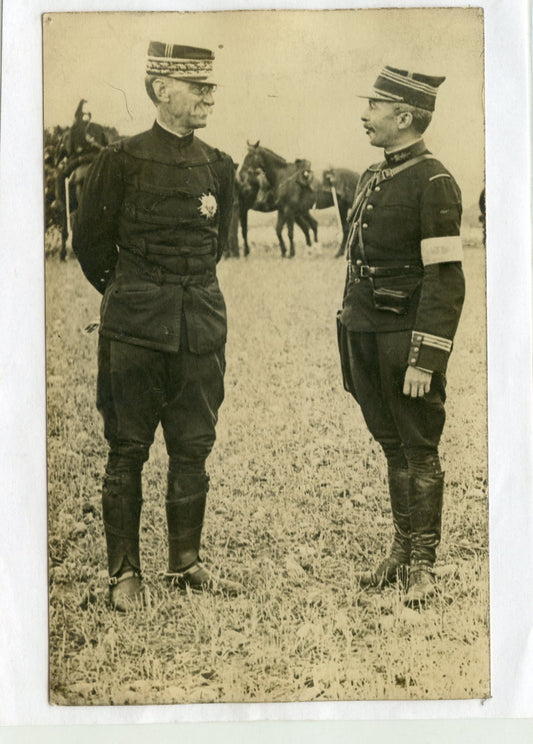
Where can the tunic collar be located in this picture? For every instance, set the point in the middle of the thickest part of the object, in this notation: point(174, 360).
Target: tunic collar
point(396, 157)
point(172, 137)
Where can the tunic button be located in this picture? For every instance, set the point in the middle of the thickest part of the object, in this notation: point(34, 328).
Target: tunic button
point(416, 348)
point(369, 207)
point(364, 225)
point(413, 360)
point(378, 188)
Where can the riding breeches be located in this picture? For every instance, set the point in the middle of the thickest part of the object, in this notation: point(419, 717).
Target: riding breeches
point(408, 429)
point(138, 388)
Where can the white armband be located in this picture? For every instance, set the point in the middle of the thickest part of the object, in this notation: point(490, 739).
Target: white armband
point(441, 250)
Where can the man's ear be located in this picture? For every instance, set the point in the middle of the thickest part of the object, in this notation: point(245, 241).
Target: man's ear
point(160, 88)
point(405, 119)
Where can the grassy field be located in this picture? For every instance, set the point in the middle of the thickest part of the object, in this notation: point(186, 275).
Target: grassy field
point(297, 504)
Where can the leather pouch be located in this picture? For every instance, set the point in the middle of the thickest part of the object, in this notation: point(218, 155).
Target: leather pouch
point(391, 300)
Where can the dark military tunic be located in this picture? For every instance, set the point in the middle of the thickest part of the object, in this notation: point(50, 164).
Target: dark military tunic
point(411, 218)
point(151, 227)
point(152, 224)
point(405, 239)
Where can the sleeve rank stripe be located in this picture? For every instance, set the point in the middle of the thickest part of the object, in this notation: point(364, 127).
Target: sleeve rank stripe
point(437, 342)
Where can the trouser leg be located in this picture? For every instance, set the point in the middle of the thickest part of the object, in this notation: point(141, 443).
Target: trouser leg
point(194, 395)
point(420, 422)
point(129, 400)
point(409, 432)
point(361, 376)
point(189, 418)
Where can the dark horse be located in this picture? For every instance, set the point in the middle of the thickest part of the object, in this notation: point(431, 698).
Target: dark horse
point(338, 190)
point(293, 199)
point(263, 178)
point(76, 150)
point(294, 191)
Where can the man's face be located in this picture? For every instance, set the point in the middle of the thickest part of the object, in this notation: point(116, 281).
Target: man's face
point(188, 103)
point(381, 123)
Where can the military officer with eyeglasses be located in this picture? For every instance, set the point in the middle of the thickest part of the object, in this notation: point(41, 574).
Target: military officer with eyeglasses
point(152, 224)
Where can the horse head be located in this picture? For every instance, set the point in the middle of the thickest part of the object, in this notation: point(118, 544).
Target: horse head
point(262, 180)
point(267, 160)
point(253, 158)
point(265, 200)
point(251, 164)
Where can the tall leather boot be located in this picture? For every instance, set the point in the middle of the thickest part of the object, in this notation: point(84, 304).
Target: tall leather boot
point(395, 565)
point(425, 512)
point(121, 507)
point(185, 508)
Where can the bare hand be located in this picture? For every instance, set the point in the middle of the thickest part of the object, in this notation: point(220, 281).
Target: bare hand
point(417, 382)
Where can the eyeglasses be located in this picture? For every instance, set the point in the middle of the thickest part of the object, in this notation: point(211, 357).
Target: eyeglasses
point(201, 89)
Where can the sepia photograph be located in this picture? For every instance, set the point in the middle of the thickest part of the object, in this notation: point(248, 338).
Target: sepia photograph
point(266, 356)
point(266, 407)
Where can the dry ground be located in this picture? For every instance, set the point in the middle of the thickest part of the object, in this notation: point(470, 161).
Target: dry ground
point(297, 503)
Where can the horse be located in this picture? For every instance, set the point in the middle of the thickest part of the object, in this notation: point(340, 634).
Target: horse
point(68, 190)
point(75, 151)
point(261, 173)
point(295, 191)
point(231, 249)
point(337, 190)
point(293, 201)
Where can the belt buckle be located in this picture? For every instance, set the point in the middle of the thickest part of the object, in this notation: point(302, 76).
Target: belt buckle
point(365, 271)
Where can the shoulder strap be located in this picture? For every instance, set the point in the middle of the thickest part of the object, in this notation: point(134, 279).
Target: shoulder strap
point(387, 173)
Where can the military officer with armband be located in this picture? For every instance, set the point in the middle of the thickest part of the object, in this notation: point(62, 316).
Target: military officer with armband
point(402, 302)
point(152, 225)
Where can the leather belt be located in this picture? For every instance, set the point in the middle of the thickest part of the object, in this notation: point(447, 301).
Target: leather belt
point(186, 280)
point(183, 274)
point(384, 271)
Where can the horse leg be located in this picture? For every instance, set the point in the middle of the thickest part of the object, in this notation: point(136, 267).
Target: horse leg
point(302, 224)
point(233, 236)
point(313, 224)
point(243, 217)
point(64, 233)
point(279, 227)
point(63, 250)
point(290, 231)
point(343, 212)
